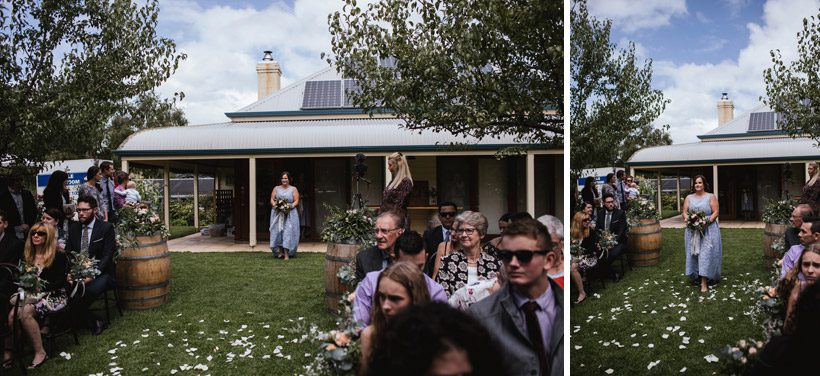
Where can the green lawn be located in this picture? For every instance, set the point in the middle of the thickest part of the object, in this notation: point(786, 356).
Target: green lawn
point(227, 311)
point(180, 231)
point(666, 213)
point(655, 314)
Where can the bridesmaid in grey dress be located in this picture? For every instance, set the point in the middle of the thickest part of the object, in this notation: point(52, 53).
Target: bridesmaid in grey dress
point(284, 229)
point(703, 254)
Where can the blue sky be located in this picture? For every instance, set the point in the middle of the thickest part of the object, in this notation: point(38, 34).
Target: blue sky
point(702, 48)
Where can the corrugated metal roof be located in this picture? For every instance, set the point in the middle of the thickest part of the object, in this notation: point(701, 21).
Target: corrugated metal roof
point(289, 98)
point(295, 136)
point(772, 149)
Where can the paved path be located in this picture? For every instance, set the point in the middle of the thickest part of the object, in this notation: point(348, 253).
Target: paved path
point(199, 243)
point(677, 222)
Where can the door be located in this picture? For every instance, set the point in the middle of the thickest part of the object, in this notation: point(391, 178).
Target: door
point(331, 186)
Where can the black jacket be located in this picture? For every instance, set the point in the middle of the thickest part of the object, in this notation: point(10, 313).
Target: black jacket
point(12, 215)
point(432, 238)
point(369, 260)
point(102, 245)
point(617, 224)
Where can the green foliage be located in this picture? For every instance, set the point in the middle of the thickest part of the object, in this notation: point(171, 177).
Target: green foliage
point(478, 68)
point(778, 212)
point(612, 102)
point(353, 226)
point(641, 209)
point(668, 201)
point(67, 67)
point(182, 211)
point(793, 90)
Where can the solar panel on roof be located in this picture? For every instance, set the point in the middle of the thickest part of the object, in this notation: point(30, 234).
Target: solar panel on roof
point(322, 94)
point(762, 121)
point(351, 86)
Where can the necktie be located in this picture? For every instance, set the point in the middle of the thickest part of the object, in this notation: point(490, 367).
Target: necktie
point(446, 235)
point(84, 241)
point(608, 220)
point(108, 192)
point(534, 334)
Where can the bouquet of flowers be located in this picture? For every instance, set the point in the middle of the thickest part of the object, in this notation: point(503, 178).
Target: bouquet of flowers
point(282, 206)
point(338, 351)
point(349, 226)
point(738, 358)
point(82, 266)
point(606, 241)
point(697, 221)
point(29, 280)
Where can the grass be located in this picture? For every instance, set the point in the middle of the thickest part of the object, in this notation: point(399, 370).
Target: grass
point(622, 326)
point(222, 305)
point(667, 213)
point(180, 231)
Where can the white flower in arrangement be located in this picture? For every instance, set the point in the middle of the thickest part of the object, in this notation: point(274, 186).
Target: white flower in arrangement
point(142, 211)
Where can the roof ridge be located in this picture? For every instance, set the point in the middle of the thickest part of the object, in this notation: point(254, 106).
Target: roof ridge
point(285, 89)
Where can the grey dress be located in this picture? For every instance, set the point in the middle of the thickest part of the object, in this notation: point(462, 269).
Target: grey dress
point(286, 233)
point(708, 261)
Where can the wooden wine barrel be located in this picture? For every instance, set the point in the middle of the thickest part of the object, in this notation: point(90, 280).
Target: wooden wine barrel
point(645, 242)
point(337, 255)
point(771, 233)
point(143, 273)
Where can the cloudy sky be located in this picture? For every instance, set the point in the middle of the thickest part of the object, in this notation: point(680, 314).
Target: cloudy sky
point(224, 39)
point(703, 48)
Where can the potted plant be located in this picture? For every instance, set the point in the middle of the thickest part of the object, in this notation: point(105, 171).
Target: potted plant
point(346, 231)
point(776, 216)
point(644, 237)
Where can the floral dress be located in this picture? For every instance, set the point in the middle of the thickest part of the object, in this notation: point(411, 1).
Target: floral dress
point(397, 199)
point(284, 228)
point(452, 274)
point(705, 260)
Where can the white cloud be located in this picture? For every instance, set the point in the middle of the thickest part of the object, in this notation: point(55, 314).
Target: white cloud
point(695, 88)
point(735, 6)
point(224, 43)
point(630, 16)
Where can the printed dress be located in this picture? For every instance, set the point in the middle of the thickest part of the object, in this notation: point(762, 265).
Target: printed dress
point(707, 258)
point(284, 229)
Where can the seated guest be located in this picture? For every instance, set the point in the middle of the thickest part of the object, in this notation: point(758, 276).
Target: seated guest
point(389, 227)
point(590, 210)
point(19, 206)
point(787, 354)
point(435, 339)
point(809, 266)
point(526, 316)
point(97, 237)
point(556, 230)
point(40, 251)
point(56, 218)
point(613, 220)
point(399, 287)
point(580, 233)
point(471, 263)
point(11, 250)
point(409, 248)
point(809, 233)
point(792, 235)
point(442, 233)
point(445, 249)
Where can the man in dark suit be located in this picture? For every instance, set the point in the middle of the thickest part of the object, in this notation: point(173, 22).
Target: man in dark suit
point(525, 316)
point(433, 237)
point(613, 220)
point(20, 208)
point(11, 250)
point(98, 238)
point(389, 227)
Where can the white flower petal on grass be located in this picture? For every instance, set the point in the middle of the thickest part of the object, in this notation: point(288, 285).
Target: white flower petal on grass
point(145, 369)
point(652, 364)
point(636, 344)
point(682, 370)
point(576, 348)
point(65, 355)
point(307, 355)
point(681, 347)
point(707, 327)
point(201, 367)
point(650, 345)
point(711, 358)
point(174, 371)
point(665, 336)
point(265, 356)
point(701, 340)
point(731, 318)
point(609, 371)
point(682, 318)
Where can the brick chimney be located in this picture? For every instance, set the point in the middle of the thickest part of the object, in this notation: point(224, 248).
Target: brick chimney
point(268, 75)
point(725, 110)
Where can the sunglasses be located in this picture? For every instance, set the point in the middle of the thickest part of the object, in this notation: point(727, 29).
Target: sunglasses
point(39, 233)
point(523, 256)
point(83, 210)
point(447, 214)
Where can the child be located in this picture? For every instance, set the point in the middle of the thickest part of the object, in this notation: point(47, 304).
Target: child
point(132, 196)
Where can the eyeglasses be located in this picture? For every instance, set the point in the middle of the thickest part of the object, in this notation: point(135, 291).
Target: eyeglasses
point(629, 180)
point(523, 256)
point(447, 214)
point(83, 210)
point(467, 231)
point(39, 233)
point(384, 230)
point(609, 202)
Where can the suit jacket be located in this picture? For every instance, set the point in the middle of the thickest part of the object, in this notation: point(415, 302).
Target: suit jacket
point(496, 314)
point(617, 224)
point(368, 261)
point(12, 215)
point(792, 237)
point(101, 246)
point(432, 238)
point(11, 250)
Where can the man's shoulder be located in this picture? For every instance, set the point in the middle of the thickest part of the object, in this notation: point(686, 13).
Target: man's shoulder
point(490, 306)
point(432, 231)
point(796, 249)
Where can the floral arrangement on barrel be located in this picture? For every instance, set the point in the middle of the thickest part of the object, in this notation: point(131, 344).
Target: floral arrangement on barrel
point(641, 209)
point(348, 226)
point(606, 241)
point(139, 219)
point(778, 212)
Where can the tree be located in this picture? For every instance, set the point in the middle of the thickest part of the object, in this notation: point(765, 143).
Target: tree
point(470, 67)
point(612, 103)
point(66, 67)
point(147, 111)
point(794, 90)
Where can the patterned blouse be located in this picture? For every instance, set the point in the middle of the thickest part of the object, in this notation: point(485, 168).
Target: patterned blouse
point(811, 194)
point(452, 274)
point(397, 199)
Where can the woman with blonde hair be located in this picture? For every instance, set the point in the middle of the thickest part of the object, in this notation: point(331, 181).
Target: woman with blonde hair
point(811, 191)
point(52, 266)
point(580, 233)
point(396, 195)
point(399, 287)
